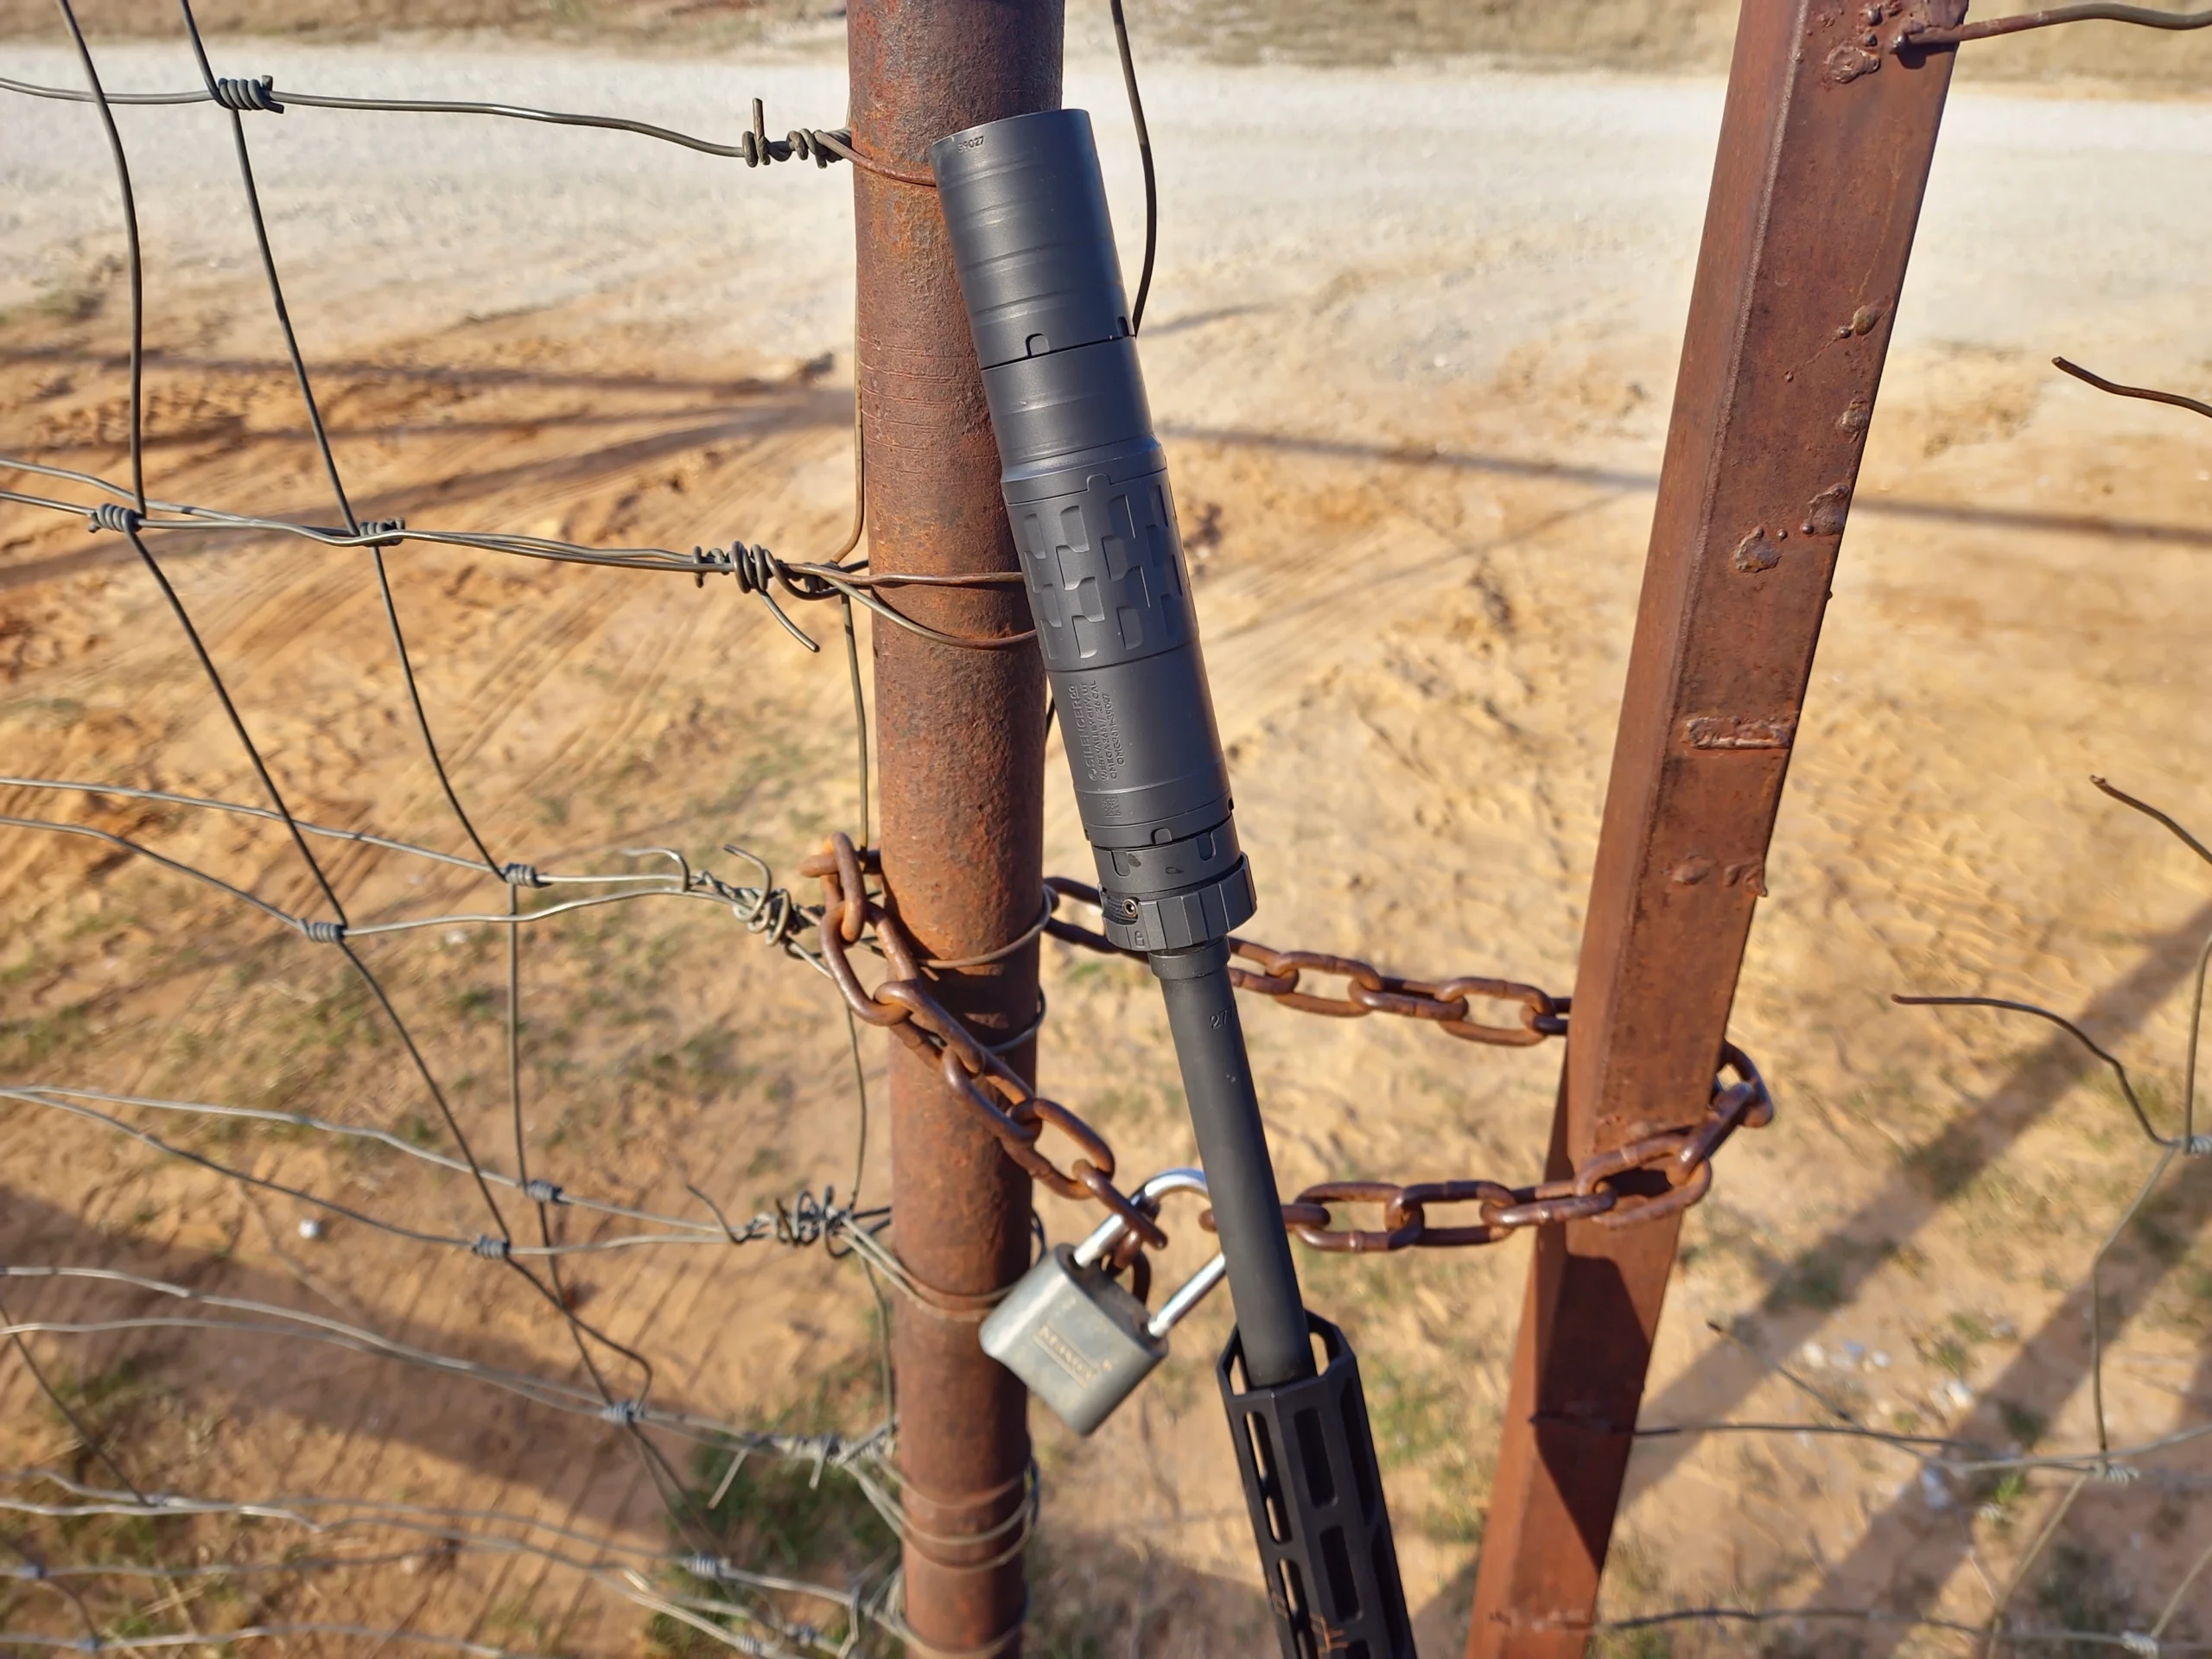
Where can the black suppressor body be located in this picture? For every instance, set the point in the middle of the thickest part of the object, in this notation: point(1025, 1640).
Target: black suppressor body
point(1086, 490)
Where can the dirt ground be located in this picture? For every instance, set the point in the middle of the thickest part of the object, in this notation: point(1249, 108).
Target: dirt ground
point(1633, 34)
point(1416, 396)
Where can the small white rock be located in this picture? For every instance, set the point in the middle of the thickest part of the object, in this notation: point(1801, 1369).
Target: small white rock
point(1932, 1489)
point(1957, 1393)
point(1879, 1360)
point(311, 1227)
point(1812, 1354)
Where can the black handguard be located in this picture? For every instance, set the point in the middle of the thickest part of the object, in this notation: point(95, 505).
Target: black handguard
point(1086, 490)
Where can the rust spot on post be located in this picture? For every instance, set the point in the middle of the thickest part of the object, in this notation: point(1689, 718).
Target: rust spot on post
point(1756, 552)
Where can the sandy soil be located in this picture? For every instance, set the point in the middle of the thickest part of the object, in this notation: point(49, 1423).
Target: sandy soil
point(1415, 394)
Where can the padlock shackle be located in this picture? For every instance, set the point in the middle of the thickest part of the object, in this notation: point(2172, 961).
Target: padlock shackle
point(1147, 1197)
point(1195, 1290)
point(1107, 1233)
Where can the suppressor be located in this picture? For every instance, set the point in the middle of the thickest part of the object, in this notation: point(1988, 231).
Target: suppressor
point(1086, 488)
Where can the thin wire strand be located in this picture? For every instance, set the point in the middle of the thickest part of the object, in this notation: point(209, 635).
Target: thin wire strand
point(528, 876)
point(2153, 813)
point(760, 1226)
point(2019, 22)
point(1144, 157)
point(2022, 1567)
point(545, 1391)
point(359, 837)
point(66, 1592)
point(297, 924)
point(620, 1581)
point(134, 263)
point(322, 434)
point(706, 887)
point(95, 1444)
point(260, 1632)
point(2118, 1071)
point(437, 1521)
point(2147, 394)
point(137, 272)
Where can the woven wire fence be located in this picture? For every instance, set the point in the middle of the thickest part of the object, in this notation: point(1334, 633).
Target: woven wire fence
point(106, 1558)
point(142, 1598)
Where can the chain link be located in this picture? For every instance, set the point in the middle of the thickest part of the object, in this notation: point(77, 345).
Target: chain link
point(1657, 1175)
point(1675, 1167)
point(1442, 1002)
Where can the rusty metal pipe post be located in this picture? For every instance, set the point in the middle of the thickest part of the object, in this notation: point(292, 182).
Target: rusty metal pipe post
point(1825, 148)
point(961, 737)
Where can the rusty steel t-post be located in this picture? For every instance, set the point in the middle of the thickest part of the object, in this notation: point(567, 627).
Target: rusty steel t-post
point(961, 738)
point(1825, 147)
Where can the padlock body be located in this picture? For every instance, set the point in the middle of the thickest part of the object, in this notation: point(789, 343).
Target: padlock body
point(1075, 1337)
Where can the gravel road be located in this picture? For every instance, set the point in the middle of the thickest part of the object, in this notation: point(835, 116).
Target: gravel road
point(1511, 207)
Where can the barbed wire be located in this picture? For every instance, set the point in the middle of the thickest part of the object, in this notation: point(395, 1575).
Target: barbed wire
point(259, 93)
point(755, 568)
point(808, 1219)
point(129, 510)
point(823, 1218)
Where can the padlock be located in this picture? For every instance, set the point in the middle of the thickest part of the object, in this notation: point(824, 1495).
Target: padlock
point(1079, 1340)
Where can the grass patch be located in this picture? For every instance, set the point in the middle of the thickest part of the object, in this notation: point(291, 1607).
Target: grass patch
point(1814, 1279)
point(783, 1517)
point(1949, 1355)
point(2080, 1591)
point(780, 1515)
point(1945, 1164)
point(28, 1043)
point(1422, 1422)
point(2026, 1427)
point(1650, 1642)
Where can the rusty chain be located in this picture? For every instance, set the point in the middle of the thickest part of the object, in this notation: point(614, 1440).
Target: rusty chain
point(1442, 1002)
point(1013, 1112)
point(1655, 1176)
point(1658, 1174)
